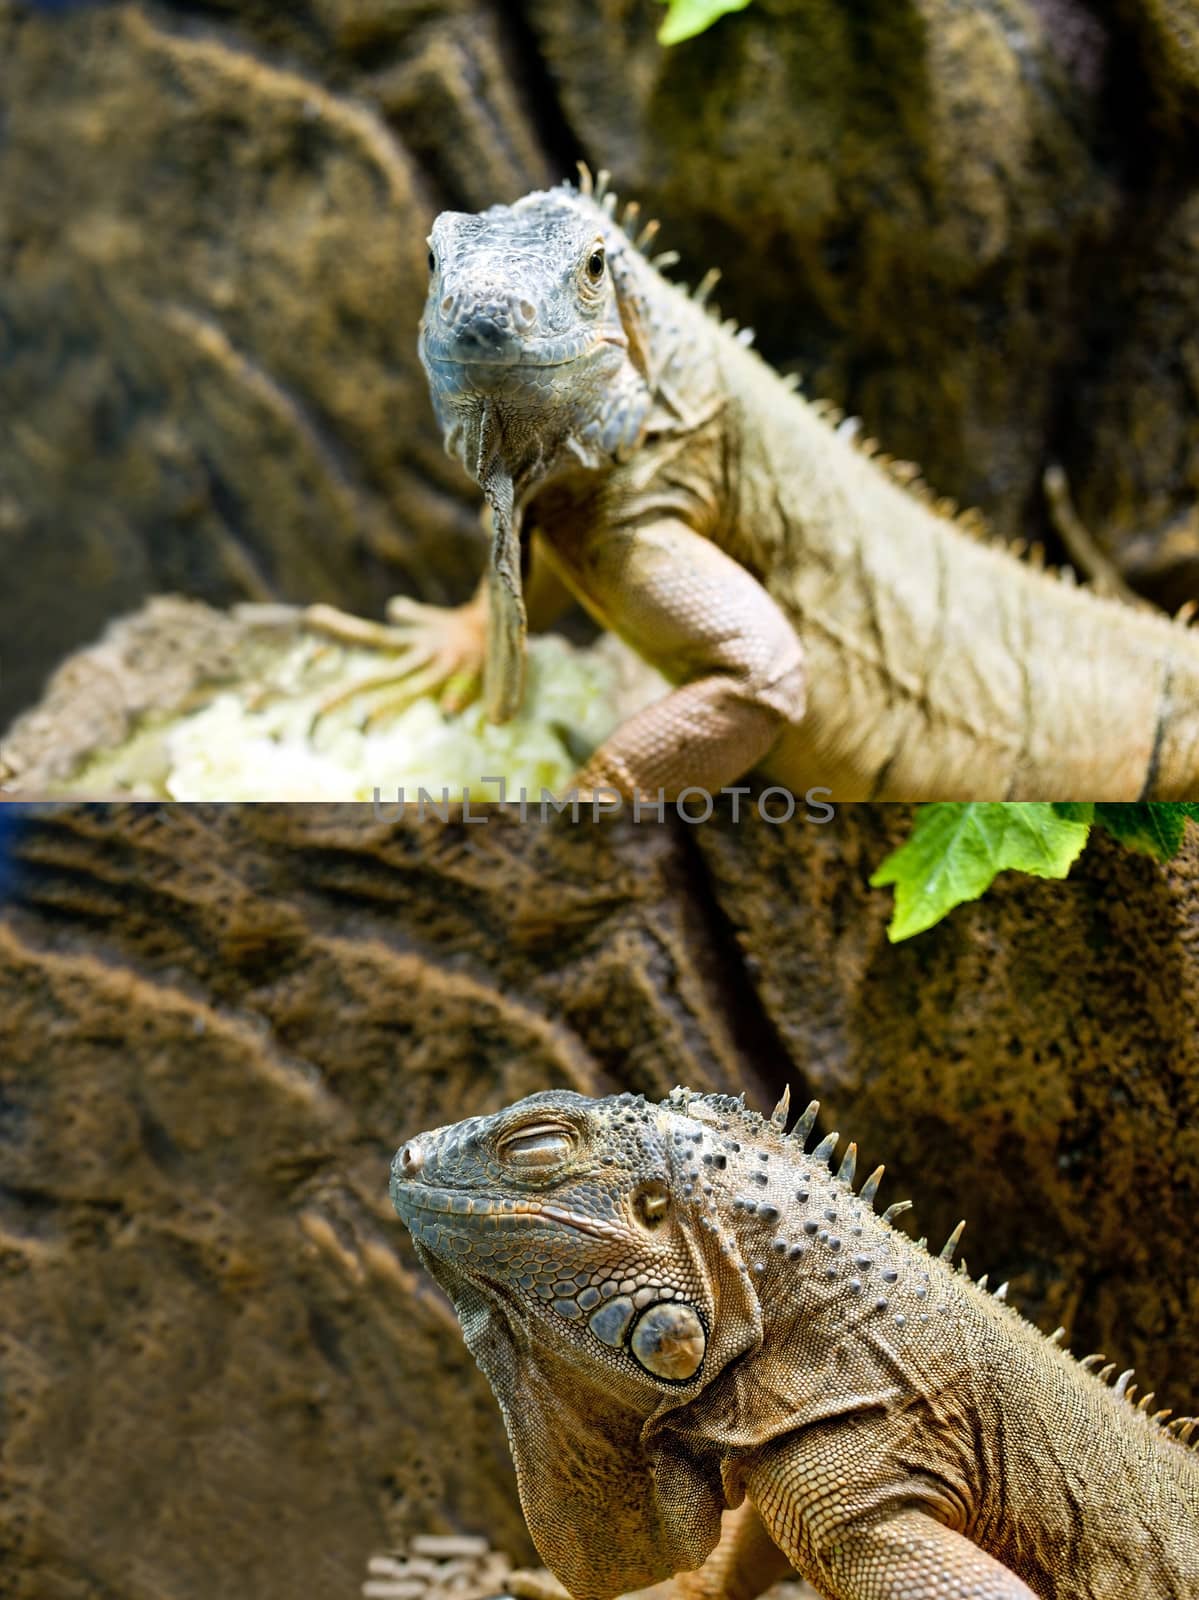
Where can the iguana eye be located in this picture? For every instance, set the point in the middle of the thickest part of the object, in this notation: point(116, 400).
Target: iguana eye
point(595, 265)
point(541, 1146)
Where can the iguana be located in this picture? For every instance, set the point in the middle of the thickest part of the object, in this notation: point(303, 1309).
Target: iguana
point(819, 619)
point(681, 1310)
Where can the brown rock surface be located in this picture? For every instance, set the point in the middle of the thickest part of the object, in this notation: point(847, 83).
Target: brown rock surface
point(222, 1370)
point(1134, 450)
point(1167, 34)
point(957, 220)
point(214, 267)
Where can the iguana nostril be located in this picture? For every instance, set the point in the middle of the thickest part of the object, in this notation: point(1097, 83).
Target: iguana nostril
point(412, 1158)
point(527, 312)
point(483, 333)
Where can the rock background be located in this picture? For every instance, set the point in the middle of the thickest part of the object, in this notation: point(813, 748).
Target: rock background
point(222, 1371)
point(975, 225)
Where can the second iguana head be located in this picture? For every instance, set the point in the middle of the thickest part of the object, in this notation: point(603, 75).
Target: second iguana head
point(620, 1270)
point(566, 1208)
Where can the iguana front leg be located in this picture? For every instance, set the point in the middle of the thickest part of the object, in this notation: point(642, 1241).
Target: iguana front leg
point(707, 625)
point(857, 1536)
point(744, 1564)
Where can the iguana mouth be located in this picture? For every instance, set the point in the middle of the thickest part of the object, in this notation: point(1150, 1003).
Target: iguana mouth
point(475, 361)
point(500, 1209)
point(526, 357)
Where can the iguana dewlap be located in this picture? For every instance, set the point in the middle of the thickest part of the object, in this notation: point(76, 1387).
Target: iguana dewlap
point(819, 620)
point(680, 1310)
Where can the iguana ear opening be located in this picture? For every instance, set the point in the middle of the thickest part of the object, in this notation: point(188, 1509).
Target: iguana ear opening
point(734, 1336)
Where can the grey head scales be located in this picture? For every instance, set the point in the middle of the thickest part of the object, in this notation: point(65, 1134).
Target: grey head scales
point(537, 366)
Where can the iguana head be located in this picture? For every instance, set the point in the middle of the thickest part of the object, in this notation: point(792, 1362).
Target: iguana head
point(566, 1211)
point(597, 1299)
point(530, 335)
point(653, 1291)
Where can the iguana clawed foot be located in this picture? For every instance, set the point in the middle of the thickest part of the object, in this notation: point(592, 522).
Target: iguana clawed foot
point(437, 650)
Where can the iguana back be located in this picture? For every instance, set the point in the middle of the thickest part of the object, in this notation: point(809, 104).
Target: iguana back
point(939, 666)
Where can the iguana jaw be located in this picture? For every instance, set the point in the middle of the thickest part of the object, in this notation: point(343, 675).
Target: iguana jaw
point(560, 392)
point(562, 352)
point(414, 1202)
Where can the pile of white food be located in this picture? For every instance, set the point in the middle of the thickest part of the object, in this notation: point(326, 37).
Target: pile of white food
point(261, 742)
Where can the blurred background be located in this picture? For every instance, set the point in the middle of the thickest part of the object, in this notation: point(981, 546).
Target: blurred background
point(974, 225)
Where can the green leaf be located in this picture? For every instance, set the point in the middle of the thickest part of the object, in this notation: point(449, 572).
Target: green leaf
point(1075, 810)
point(1154, 827)
point(957, 848)
point(686, 18)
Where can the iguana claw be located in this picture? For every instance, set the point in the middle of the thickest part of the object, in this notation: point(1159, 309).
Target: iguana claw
point(438, 650)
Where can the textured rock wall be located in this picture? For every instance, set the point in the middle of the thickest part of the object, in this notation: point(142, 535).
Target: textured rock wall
point(214, 263)
point(221, 1370)
point(974, 225)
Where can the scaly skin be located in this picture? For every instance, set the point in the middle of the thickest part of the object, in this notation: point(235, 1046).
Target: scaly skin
point(680, 1311)
point(821, 622)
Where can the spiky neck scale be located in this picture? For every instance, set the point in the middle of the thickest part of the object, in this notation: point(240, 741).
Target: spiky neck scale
point(797, 1219)
point(834, 1279)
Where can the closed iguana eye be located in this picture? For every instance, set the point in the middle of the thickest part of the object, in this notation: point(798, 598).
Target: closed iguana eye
point(544, 1145)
